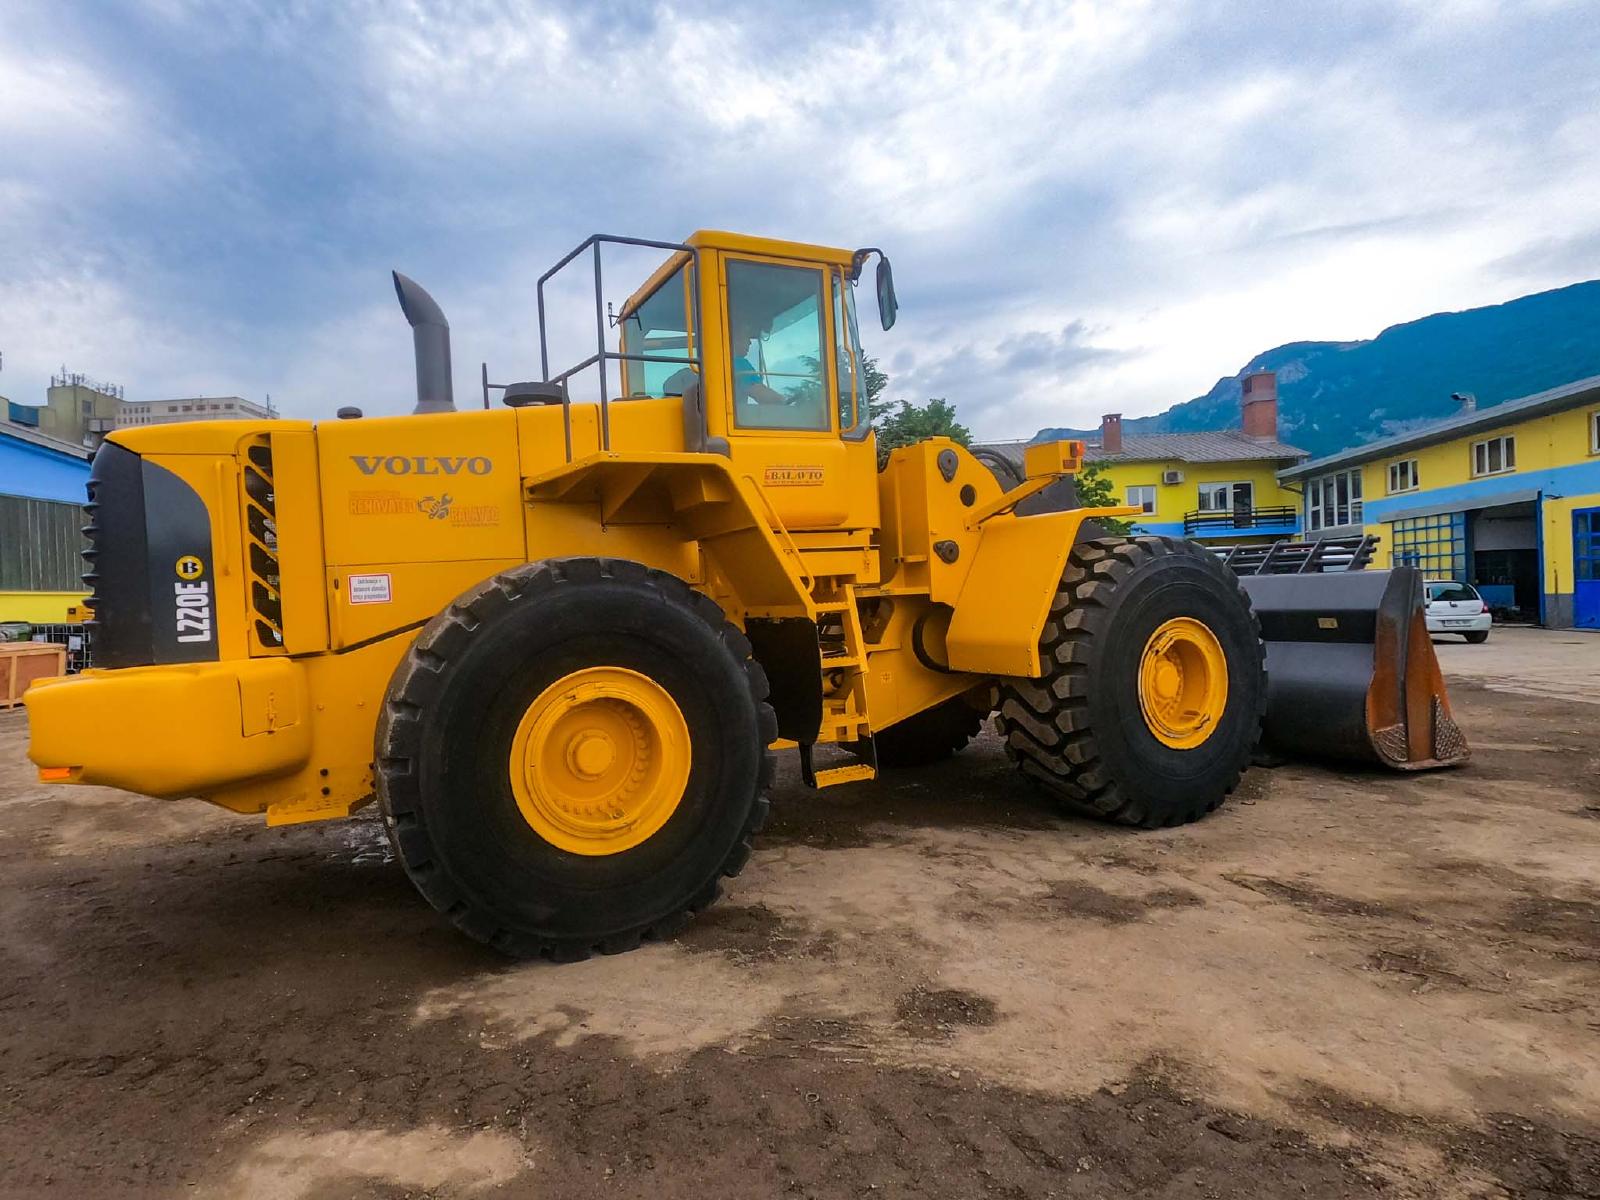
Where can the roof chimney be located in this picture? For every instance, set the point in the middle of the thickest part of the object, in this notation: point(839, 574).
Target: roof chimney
point(1111, 433)
point(1260, 406)
point(1467, 401)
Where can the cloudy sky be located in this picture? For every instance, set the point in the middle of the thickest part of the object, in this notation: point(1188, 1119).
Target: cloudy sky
point(1091, 206)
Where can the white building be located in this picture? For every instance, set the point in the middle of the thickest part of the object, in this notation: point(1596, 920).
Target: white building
point(192, 408)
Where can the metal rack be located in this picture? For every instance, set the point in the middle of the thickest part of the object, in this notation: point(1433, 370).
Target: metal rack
point(602, 356)
point(78, 640)
point(1300, 558)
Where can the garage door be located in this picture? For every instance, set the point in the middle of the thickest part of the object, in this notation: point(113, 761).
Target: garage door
point(1437, 544)
point(1586, 566)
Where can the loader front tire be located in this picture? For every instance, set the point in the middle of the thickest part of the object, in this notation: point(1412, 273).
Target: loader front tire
point(572, 755)
point(1154, 684)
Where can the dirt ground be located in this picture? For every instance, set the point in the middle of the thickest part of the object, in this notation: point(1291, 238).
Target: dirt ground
point(1343, 984)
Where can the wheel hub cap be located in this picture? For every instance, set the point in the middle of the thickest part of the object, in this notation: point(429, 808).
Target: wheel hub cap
point(600, 760)
point(1183, 683)
point(590, 754)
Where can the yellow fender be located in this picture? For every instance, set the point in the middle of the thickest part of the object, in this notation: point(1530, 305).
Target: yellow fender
point(1009, 588)
point(951, 532)
point(1006, 596)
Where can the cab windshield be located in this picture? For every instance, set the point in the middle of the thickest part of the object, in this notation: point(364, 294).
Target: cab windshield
point(775, 321)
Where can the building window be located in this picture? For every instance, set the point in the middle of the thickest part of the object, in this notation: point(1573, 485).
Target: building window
point(1494, 456)
point(1143, 497)
point(1333, 500)
point(1403, 476)
point(1594, 432)
point(1226, 497)
point(172, 408)
point(1437, 545)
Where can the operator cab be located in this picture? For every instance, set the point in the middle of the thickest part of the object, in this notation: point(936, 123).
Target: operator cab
point(760, 339)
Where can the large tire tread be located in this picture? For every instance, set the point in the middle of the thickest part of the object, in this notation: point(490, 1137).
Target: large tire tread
point(418, 681)
point(1046, 723)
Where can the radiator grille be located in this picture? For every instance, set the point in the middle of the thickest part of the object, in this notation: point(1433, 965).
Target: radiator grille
point(261, 541)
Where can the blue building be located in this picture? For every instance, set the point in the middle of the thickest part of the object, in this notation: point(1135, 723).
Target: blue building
point(42, 482)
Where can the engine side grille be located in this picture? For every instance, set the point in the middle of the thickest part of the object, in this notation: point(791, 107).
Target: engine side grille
point(261, 556)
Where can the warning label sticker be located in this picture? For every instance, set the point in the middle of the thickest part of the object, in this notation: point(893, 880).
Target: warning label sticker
point(369, 589)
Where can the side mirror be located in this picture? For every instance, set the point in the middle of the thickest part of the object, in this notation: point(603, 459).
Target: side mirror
point(888, 306)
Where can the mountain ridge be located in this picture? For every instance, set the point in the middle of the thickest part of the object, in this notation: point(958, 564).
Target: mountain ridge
point(1336, 395)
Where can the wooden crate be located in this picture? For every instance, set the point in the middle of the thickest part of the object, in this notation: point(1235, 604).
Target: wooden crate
point(23, 662)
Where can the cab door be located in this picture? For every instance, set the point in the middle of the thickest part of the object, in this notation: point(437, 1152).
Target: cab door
point(792, 428)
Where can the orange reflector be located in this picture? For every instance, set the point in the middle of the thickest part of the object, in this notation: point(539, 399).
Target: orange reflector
point(51, 774)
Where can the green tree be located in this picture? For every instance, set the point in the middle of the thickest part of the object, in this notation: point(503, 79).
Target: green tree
point(1095, 490)
point(874, 379)
point(906, 423)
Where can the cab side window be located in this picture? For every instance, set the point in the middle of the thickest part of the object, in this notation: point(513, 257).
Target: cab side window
point(847, 346)
point(659, 329)
point(778, 342)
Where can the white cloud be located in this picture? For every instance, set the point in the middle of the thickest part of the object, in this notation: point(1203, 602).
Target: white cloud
point(1091, 205)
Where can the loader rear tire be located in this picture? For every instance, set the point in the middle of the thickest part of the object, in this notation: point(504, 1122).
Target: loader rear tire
point(931, 736)
point(1084, 731)
point(572, 755)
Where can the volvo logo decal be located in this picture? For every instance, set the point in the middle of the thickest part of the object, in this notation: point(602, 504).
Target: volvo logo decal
point(402, 464)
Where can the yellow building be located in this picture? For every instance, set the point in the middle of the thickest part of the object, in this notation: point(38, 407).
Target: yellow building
point(77, 410)
point(1220, 487)
point(1506, 498)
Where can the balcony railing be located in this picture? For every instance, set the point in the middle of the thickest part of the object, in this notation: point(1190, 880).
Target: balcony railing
point(1274, 516)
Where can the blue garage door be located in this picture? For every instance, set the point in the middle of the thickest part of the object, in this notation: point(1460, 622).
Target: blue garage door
point(1436, 544)
point(1586, 565)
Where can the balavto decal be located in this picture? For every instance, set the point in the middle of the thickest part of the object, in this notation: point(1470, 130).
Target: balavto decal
point(182, 577)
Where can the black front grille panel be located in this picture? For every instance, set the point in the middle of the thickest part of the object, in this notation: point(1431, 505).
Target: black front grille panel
point(151, 577)
point(117, 559)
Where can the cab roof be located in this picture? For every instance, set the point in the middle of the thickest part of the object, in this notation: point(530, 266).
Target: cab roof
point(743, 243)
point(736, 243)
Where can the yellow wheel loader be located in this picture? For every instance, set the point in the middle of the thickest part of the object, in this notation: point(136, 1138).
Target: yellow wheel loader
point(558, 639)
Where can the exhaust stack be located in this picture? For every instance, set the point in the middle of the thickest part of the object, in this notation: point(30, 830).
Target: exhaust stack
point(430, 337)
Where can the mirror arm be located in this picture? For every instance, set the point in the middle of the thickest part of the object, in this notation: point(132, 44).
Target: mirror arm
point(858, 261)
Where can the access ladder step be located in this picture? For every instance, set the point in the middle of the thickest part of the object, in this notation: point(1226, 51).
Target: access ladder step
point(863, 768)
point(850, 773)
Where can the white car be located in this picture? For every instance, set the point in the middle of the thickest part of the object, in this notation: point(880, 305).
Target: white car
point(1457, 608)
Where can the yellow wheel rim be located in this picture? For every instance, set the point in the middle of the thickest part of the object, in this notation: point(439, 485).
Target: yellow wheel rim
point(600, 760)
point(1183, 683)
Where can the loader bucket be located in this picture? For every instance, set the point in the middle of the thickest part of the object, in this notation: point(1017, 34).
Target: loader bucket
point(1351, 671)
